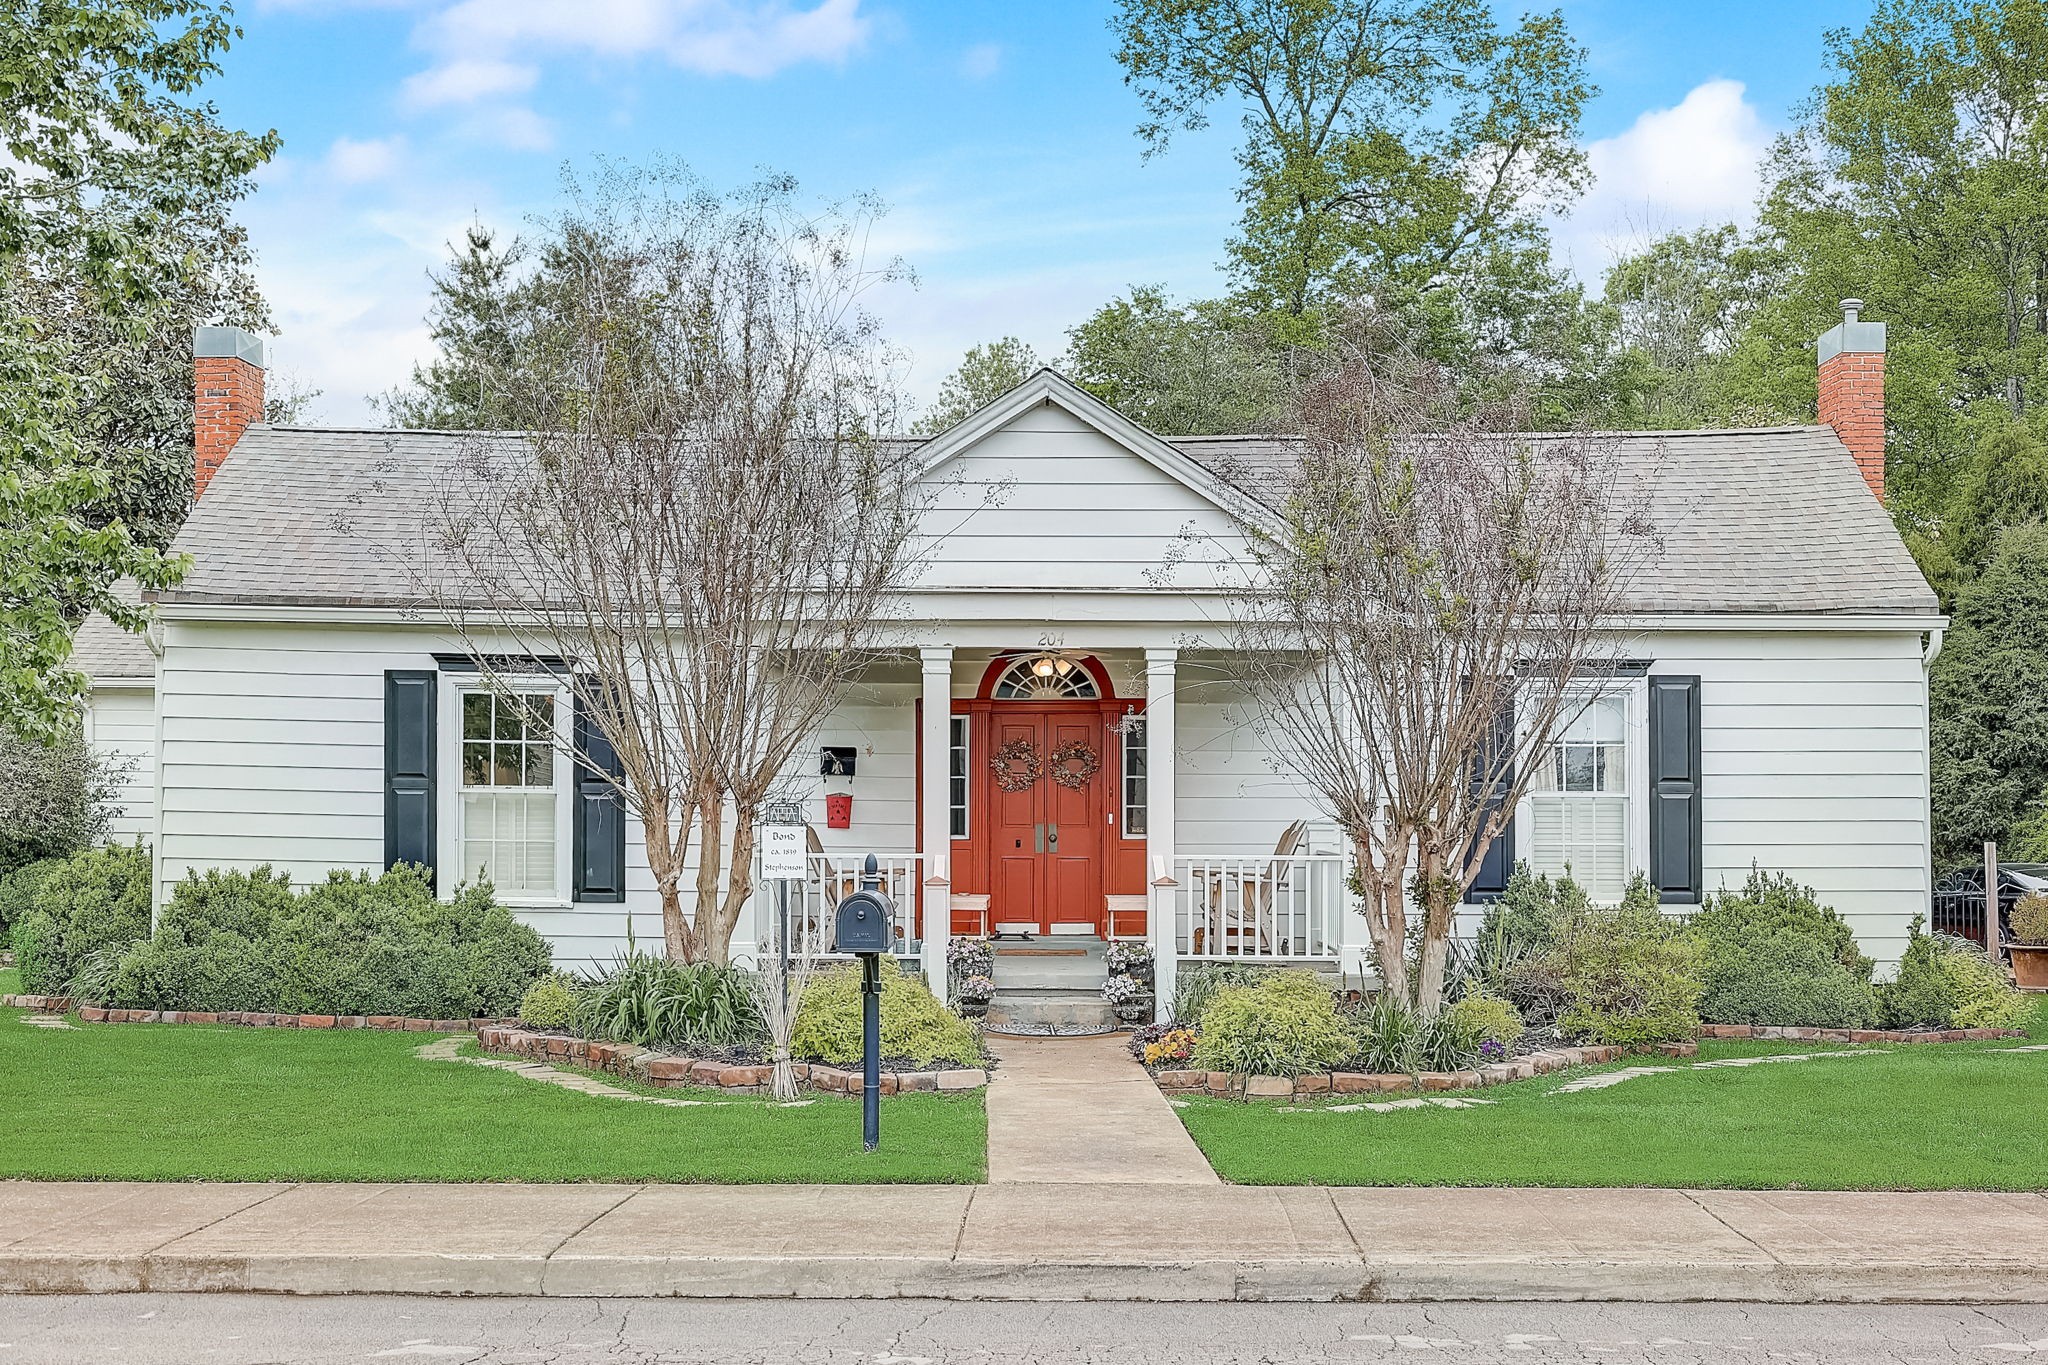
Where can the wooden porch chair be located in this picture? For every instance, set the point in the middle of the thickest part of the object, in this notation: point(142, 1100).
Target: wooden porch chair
point(1241, 903)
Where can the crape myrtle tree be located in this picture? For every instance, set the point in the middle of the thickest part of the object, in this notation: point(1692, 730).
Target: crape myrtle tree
point(1438, 598)
point(703, 520)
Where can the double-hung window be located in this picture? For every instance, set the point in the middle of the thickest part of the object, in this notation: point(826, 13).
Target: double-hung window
point(1578, 816)
point(511, 813)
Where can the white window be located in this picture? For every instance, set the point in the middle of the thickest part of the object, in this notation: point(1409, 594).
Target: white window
point(956, 777)
point(509, 817)
point(1580, 815)
point(1135, 796)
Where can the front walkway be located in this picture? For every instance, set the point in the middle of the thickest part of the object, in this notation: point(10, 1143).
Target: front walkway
point(1028, 1242)
point(1080, 1111)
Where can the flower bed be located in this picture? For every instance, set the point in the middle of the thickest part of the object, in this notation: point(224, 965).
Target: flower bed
point(1229, 1084)
point(668, 1070)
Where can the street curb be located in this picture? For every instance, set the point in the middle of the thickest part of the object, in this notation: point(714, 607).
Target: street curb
point(1307, 1280)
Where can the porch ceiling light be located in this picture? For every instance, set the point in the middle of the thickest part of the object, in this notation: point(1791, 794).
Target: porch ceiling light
point(1044, 665)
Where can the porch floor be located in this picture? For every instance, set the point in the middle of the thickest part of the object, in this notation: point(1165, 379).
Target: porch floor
point(1080, 1111)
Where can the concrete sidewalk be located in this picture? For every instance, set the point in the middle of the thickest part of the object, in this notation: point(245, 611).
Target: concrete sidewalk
point(1026, 1241)
point(1079, 1111)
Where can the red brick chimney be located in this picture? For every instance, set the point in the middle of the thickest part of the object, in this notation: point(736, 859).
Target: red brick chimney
point(1852, 390)
point(227, 382)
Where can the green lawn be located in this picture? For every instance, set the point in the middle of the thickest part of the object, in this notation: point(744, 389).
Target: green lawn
point(188, 1102)
point(1956, 1116)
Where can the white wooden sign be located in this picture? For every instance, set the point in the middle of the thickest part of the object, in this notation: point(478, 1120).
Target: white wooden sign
point(783, 853)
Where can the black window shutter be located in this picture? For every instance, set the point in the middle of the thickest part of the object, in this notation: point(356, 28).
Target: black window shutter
point(409, 807)
point(1499, 860)
point(1675, 807)
point(600, 815)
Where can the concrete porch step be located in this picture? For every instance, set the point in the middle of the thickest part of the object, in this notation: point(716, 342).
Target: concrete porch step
point(1042, 1009)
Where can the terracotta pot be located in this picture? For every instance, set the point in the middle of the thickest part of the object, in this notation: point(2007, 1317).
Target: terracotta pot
point(2029, 965)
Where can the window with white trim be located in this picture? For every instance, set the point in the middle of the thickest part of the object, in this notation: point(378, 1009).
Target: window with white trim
point(1578, 816)
point(956, 777)
point(1134, 787)
point(511, 818)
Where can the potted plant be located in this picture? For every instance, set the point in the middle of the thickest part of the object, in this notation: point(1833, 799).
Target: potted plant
point(1126, 998)
point(2029, 946)
point(970, 957)
point(974, 994)
point(1129, 957)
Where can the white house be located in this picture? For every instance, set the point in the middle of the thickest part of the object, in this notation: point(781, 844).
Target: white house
point(296, 708)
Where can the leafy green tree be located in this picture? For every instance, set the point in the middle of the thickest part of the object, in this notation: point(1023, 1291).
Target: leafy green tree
point(1681, 305)
point(464, 387)
point(107, 155)
point(1918, 182)
point(986, 372)
point(1398, 150)
point(1182, 370)
point(1988, 699)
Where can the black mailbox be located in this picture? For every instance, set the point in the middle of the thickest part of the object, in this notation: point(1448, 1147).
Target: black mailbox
point(865, 921)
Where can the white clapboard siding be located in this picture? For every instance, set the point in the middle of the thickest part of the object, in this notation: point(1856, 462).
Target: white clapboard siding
point(121, 727)
point(1048, 502)
point(1814, 761)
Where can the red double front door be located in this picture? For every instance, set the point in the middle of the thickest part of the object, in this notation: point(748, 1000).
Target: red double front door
point(1046, 840)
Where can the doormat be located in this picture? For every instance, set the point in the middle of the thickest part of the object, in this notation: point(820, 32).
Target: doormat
point(1006, 950)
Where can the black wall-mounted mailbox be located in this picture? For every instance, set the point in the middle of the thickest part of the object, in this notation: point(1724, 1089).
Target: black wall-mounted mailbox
point(836, 760)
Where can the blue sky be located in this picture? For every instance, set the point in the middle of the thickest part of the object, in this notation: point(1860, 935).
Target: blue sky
point(999, 132)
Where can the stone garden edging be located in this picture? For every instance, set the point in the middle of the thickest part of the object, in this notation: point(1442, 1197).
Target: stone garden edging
point(670, 1071)
point(1773, 1033)
point(93, 1014)
point(1226, 1084)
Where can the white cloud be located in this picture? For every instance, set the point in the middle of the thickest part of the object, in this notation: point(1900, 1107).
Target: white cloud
point(981, 61)
point(486, 48)
point(1672, 169)
point(464, 81)
point(353, 162)
point(510, 126)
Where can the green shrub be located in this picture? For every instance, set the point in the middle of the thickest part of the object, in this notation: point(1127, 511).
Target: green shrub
point(356, 944)
point(2029, 917)
point(56, 799)
point(21, 888)
point(1284, 1025)
point(1631, 978)
point(89, 901)
point(1772, 954)
point(1945, 982)
point(550, 1004)
point(915, 1026)
point(658, 1003)
point(1196, 984)
point(1487, 1019)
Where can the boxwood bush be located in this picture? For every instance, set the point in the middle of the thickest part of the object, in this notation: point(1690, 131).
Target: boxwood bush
point(355, 944)
point(1631, 977)
point(86, 906)
point(1945, 982)
point(1772, 954)
point(915, 1026)
point(1284, 1025)
point(20, 889)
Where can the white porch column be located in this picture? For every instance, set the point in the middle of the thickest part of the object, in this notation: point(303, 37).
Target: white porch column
point(935, 834)
point(1160, 740)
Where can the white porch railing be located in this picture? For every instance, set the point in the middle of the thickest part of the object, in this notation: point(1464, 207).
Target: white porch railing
point(1259, 906)
point(832, 877)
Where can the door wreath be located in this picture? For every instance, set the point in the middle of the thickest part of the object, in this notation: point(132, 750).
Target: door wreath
point(1016, 765)
point(1074, 763)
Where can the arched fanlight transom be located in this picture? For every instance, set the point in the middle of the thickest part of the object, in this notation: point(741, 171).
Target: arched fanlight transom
point(1046, 677)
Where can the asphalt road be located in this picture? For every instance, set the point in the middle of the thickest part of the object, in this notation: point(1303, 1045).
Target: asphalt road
point(233, 1329)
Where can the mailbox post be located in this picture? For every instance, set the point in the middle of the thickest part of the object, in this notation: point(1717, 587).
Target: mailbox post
point(862, 925)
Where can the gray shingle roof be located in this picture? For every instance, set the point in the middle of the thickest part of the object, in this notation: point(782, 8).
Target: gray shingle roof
point(1769, 520)
point(104, 652)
